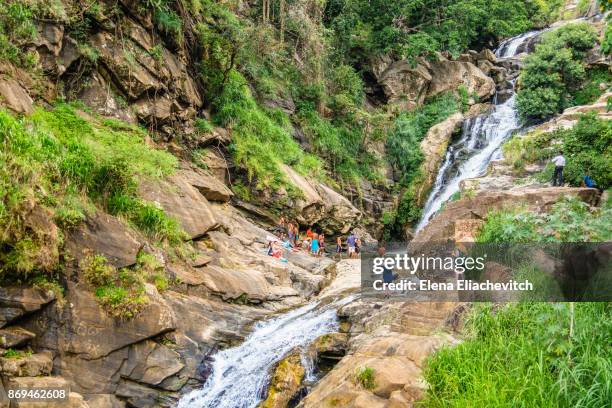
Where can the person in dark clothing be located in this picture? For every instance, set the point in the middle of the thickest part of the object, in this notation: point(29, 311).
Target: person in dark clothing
point(559, 161)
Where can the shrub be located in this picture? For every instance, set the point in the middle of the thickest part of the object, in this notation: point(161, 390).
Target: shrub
point(554, 71)
point(365, 377)
point(122, 292)
point(587, 147)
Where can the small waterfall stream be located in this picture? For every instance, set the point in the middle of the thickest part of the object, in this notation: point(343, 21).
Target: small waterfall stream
point(241, 374)
point(480, 140)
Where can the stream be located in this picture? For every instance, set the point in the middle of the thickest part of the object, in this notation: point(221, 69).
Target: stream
point(240, 375)
point(480, 140)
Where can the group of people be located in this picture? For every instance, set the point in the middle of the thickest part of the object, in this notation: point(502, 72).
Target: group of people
point(312, 242)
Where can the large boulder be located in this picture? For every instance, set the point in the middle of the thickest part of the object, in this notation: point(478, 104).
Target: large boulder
point(340, 214)
point(14, 97)
point(181, 200)
point(31, 365)
point(286, 382)
point(448, 76)
point(210, 323)
point(209, 186)
point(309, 208)
point(151, 363)
point(123, 61)
point(405, 84)
point(235, 284)
point(14, 336)
point(91, 333)
point(103, 234)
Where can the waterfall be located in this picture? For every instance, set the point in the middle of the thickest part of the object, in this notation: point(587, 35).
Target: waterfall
point(241, 374)
point(480, 140)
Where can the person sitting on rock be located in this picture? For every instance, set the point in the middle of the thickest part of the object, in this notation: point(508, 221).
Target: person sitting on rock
point(587, 181)
point(559, 161)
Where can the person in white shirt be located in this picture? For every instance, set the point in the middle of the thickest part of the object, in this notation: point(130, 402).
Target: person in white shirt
point(559, 161)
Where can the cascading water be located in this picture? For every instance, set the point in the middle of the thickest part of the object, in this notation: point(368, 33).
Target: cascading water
point(241, 374)
point(480, 140)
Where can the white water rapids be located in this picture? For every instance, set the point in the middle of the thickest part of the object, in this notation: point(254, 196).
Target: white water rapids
point(241, 374)
point(479, 143)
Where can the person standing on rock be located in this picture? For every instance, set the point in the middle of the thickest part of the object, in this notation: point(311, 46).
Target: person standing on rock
point(559, 161)
point(350, 244)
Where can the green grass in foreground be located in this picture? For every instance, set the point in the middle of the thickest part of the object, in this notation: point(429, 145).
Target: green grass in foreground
point(521, 355)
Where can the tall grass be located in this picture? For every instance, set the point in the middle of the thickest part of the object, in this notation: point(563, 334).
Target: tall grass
point(68, 163)
point(522, 355)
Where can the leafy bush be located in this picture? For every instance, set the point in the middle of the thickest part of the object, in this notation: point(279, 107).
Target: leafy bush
point(606, 43)
point(554, 71)
point(403, 150)
point(521, 354)
point(592, 89)
point(16, 27)
point(122, 292)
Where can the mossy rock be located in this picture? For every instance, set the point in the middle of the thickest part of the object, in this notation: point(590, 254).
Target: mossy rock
point(286, 382)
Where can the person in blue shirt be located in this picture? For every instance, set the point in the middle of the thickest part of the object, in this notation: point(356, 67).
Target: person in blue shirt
point(314, 245)
point(350, 243)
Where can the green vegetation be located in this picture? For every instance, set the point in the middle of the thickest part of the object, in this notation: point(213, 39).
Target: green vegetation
point(412, 28)
point(554, 73)
point(16, 354)
point(587, 147)
point(405, 155)
point(261, 141)
point(597, 81)
point(121, 291)
point(365, 377)
point(522, 354)
point(569, 220)
point(61, 164)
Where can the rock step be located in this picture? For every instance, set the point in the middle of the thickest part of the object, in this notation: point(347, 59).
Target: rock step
point(14, 336)
point(27, 365)
point(74, 400)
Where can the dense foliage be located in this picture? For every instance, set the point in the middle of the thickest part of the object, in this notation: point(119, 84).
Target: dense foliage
point(587, 147)
point(555, 71)
point(521, 354)
point(411, 28)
